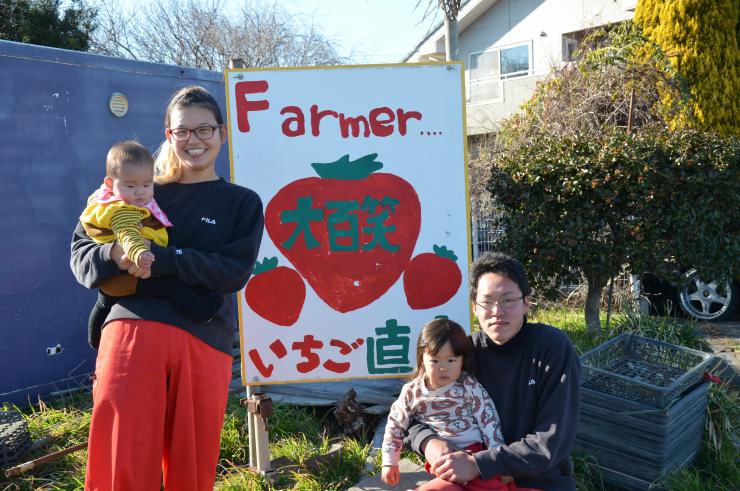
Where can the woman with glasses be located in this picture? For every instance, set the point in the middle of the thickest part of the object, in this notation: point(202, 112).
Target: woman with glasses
point(533, 373)
point(161, 377)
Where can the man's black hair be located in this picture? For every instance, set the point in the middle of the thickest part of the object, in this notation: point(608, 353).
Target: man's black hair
point(496, 262)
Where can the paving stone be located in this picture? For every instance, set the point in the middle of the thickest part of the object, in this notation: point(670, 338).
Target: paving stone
point(412, 476)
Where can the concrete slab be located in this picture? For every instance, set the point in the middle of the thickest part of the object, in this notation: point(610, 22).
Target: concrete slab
point(412, 476)
point(724, 339)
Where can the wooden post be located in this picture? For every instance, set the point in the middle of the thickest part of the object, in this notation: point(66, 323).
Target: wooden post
point(609, 304)
point(474, 227)
point(236, 63)
point(259, 408)
point(251, 431)
point(631, 110)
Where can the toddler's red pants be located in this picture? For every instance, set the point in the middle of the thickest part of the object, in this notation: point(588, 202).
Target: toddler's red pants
point(159, 399)
point(477, 484)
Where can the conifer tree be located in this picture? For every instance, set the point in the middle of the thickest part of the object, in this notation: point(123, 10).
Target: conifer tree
point(67, 25)
point(701, 38)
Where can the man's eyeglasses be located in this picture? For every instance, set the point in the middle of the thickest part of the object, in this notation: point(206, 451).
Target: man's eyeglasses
point(202, 132)
point(505, 304)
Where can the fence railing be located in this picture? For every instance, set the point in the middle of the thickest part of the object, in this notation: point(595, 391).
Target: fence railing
point(486, 233)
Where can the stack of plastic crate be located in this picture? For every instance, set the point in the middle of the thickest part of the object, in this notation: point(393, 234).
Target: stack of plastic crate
point(643, 405)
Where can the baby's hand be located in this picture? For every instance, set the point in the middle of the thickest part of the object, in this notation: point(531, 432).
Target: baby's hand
point(143, 273)
point(390, 474)
point(145, 260)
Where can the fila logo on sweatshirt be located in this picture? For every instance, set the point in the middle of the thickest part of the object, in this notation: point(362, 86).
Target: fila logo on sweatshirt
point(209, 221)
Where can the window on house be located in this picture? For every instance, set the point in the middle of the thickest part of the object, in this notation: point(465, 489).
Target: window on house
point(489, 68)
point(572, 41)
point(515, 61)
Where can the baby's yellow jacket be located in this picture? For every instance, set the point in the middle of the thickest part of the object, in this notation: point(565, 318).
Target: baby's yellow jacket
point(129, 224)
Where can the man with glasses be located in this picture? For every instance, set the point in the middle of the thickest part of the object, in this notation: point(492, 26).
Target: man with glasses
point(533, 374)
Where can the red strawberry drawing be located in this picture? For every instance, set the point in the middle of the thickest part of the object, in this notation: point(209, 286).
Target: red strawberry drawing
point(350, 233)
point(276, 293)
point(431, 279)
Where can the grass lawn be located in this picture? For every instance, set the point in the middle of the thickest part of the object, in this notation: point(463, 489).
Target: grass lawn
point(299, 433)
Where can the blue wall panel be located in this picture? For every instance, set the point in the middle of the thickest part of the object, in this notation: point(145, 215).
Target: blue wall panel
point(55, 131)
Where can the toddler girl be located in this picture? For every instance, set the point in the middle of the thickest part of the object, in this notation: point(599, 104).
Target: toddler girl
point(444, 396)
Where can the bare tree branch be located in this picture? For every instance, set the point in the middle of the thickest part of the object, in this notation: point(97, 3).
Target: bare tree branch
point(205, 34)
point(450, 7)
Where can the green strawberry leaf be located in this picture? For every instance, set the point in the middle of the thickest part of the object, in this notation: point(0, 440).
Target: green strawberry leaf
point(346, 170)
point(266, 265)
point(444, 252)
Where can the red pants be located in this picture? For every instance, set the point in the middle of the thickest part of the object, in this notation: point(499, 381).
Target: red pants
point(477, 484)
point(439, 484)
point(159, 401)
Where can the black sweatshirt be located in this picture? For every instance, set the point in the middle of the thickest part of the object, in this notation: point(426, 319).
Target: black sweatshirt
point(534, 379)
point(213, 245)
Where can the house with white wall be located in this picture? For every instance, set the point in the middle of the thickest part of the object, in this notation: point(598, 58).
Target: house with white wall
point(507, 46)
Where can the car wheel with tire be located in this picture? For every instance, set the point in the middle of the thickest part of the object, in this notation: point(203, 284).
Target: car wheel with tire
point(708, 300)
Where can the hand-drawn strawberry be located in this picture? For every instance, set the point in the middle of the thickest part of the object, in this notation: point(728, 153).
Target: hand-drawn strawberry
point(276, 293)
point(349, 232)
point(431, 279)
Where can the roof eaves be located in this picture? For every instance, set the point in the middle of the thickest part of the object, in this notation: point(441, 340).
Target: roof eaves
point(416, 48)
point(464, 10)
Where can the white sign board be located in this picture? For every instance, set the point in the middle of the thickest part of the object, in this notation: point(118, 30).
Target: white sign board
point(362, 172)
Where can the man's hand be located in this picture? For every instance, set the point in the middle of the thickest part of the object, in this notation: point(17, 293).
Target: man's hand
point(390, 474)
point(457, 467)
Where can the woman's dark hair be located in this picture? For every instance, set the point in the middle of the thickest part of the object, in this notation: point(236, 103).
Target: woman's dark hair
point(167, 166)
point(193, 95)
point(435, 334)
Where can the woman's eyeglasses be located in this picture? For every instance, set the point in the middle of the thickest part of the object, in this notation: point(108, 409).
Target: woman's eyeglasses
point(202, 132)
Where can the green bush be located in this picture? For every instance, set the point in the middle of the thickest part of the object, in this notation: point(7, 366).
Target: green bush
point(651, 201)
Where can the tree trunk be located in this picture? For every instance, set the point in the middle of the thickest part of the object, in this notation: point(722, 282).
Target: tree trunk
point(451, 35)
point(596, 285)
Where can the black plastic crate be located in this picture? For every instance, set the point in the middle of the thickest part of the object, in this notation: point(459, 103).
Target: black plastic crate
point(643, 370)
point(15, 439)
point(631, 439)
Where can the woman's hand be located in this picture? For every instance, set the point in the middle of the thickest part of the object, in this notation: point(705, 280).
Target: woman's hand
point(125, 264)
point(142, 273)
point(119, 257)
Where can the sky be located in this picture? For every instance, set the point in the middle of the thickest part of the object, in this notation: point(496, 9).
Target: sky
point(370, 31)
point(366, 31)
